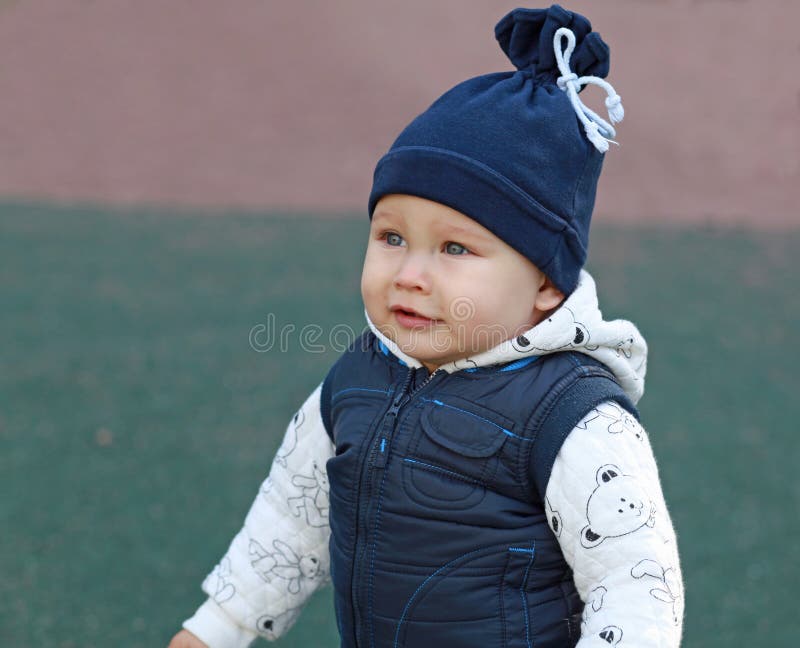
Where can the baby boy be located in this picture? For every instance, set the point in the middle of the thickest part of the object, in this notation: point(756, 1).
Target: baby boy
point(472, 471)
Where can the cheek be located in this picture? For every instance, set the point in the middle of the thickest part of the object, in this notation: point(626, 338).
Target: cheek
point(508, 299)
point(372, 279)
point(497, 292)
point(366, 283)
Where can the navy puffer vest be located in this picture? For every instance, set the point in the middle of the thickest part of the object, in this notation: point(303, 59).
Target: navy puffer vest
point(439, 536)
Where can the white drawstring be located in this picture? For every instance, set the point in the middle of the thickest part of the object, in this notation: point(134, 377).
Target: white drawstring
point(598, 130)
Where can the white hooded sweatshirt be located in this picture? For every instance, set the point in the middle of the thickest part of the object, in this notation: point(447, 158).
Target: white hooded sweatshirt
point(603, 500)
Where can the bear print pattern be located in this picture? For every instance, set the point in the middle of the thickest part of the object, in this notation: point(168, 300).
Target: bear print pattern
point(553, 518)
point(604, 503)
point(314, 499)
point(274, 625)
point(618, 506)
point(218, 584)
point(669, 588)
point(625, 347)
point(294, 495)
point(290, 439)
point(558, 332)
point(618, 420)
point(611, 635)
point(594, 602)
point(283, 563)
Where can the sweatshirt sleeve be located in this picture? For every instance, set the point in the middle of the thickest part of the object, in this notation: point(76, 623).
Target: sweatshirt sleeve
point(280, 556)
point(605, 505)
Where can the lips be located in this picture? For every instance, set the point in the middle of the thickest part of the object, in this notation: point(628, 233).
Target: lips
point(409, 317)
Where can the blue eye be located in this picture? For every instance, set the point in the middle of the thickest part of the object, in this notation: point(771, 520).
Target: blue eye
point(393, 239)
point(455, 249)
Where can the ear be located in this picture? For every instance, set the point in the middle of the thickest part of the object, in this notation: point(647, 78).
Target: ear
point(548, 297)
point(589, 538)
point(606, 473)
point(611, 635)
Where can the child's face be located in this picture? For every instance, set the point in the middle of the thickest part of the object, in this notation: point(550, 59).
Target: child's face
point(469, 289)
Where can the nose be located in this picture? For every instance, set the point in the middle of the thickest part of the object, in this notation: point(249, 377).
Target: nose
point(414, 273)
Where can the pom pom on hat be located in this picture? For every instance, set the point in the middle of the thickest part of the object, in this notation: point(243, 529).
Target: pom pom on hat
point(517, 151)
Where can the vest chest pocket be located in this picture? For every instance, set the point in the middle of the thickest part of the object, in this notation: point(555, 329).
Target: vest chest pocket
point(454, 453)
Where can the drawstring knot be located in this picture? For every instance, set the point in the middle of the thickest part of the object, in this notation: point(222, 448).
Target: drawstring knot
point(562, 81)
point(615, 110)
point(598, 130)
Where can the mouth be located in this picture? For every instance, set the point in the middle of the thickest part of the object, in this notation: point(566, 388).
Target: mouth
point(408, 317)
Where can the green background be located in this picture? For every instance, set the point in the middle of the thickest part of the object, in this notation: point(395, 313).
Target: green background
point(137, 422)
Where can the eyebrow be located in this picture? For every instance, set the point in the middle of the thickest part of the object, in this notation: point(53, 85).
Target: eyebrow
point(448, 229)
point(383, 215)
point(464, 231)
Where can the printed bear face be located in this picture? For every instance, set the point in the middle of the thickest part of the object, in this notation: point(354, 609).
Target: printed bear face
point(618, 506)
point(272, 626)
point(321, 478)
point(559, 331)
point(309, 566)
point(628, 425)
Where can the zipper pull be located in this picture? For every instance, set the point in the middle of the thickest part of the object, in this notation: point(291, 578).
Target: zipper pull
point(382, 443)
point(385, 437)
point(382, 451)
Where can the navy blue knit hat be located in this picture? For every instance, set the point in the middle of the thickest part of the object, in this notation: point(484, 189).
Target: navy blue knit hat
point(517, 151)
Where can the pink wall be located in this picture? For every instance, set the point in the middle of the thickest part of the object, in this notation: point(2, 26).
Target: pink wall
point(260, 103)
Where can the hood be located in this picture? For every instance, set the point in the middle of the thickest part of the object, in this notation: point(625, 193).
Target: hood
point(577, 325)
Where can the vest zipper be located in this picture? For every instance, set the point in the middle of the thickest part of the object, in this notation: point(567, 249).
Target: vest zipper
point(362, 510)
point(378, 457)
point(381, 448)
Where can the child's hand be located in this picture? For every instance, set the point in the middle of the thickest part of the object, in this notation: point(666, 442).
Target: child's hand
point(185, 639)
